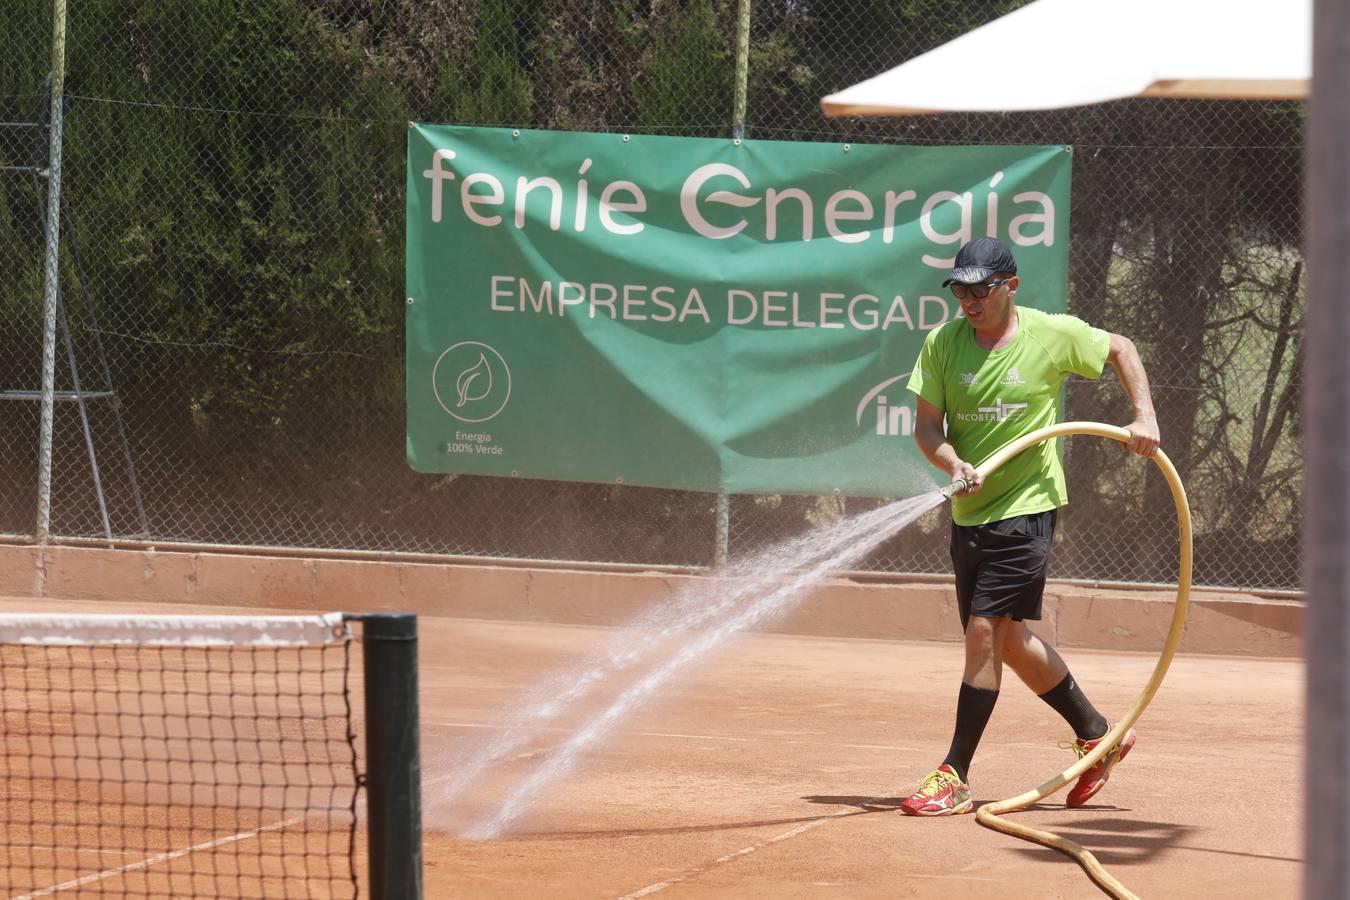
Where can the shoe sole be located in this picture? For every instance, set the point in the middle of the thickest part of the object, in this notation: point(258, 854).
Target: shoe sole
point(959, 809)
point(1125, 749)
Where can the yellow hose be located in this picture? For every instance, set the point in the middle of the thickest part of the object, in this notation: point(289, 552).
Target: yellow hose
point(989, 814)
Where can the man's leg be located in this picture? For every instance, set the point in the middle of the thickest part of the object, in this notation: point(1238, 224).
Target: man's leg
point(979, 592)
point(979, 688)
point(1042, 669)
point(945, 791)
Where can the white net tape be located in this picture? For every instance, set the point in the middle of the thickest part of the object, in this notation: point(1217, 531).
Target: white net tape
point(173, 631)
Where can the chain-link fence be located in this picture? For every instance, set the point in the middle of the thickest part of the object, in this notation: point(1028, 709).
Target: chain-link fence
point(230, 344)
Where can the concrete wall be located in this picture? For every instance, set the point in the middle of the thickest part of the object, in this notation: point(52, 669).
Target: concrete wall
point(1074, 616)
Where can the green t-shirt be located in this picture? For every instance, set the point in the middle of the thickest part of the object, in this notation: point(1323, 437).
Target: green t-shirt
point(992, 397)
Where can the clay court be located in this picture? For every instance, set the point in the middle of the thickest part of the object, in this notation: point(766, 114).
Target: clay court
point(773, 769)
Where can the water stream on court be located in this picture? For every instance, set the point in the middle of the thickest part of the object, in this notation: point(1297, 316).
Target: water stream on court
point(660, 644)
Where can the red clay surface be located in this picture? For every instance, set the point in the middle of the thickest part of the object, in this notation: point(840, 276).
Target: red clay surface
point(765, 772)
point(756, 776)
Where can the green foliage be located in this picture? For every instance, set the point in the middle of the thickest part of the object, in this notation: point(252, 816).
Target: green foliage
point(259, 225)
point(689, 77)
point(492, 86)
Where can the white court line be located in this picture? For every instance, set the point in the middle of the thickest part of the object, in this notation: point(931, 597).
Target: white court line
point(692, 737)
point(155, 860)
point(887, 747)
point(695, 737)
point(744, 851)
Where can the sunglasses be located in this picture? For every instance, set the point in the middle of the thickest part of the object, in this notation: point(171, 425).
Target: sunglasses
point(976, 291)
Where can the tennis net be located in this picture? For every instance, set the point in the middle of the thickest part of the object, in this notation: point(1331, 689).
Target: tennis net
point(205, 756)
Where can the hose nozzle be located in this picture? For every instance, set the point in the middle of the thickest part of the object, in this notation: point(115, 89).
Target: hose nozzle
point(958, 486)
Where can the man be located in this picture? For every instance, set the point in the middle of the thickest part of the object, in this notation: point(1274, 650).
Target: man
point(995, 374)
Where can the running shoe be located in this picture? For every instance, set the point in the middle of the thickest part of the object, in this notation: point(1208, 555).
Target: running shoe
point(942, 793)
point(1094, 779)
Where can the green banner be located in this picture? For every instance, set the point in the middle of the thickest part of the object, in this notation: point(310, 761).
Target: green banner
point(696, 313)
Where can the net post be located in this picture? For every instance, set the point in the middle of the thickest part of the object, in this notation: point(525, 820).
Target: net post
point(393, 767)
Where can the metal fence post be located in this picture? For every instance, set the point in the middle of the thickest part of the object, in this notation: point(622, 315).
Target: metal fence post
point(52, 273)
point(721, 537)
point(742, 67)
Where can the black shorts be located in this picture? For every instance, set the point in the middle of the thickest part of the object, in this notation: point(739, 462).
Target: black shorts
point(1001, 567)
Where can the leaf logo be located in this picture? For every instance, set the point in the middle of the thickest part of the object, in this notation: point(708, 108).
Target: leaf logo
point(471, 381)
point(479, 372)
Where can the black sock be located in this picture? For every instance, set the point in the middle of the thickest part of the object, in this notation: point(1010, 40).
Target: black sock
point(1073, 705)
point(974, 706)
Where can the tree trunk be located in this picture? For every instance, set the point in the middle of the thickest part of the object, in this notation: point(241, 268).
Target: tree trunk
point(1190, 245)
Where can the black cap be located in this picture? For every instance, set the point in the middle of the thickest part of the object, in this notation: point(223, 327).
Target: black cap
point(979, 259)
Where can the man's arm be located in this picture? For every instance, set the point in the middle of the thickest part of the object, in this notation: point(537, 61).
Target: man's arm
point(931, 437)
point(1130, 370)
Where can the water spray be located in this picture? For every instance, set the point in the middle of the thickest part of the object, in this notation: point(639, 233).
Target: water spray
point(703, 616)
point(989, 814)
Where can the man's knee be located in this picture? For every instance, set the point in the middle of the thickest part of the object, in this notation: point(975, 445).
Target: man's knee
point(985, 635)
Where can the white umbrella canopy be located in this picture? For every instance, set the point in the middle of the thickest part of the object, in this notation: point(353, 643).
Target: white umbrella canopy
point(1056, 53)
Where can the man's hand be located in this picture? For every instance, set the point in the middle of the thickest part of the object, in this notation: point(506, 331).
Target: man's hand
point(966, 471)
point(1143, 436)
